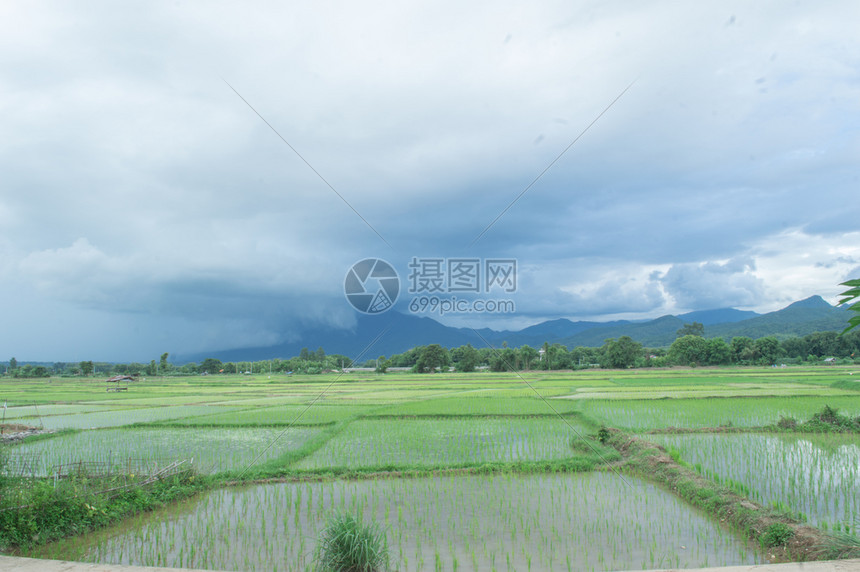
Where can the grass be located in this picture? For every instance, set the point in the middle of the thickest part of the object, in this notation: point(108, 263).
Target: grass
point(346, 544)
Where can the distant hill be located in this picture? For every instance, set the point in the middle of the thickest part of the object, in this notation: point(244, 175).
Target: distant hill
point(551, 331)
point(402, 332)
point(719, 316)
point(654, 333)
point(813, 314)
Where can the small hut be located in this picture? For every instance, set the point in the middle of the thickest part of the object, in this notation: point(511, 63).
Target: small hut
point(120, 383)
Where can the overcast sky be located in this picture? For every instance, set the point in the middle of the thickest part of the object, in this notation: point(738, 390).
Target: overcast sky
point(145, 207)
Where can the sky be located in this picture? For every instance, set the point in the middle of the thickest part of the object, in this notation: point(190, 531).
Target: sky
point(185, 177)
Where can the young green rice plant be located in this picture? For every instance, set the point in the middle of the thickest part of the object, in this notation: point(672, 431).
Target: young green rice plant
point(100, 417)
point(813, 475)
point(445, 442)
point(213, 450)
point(644, 414)
point(594, 521)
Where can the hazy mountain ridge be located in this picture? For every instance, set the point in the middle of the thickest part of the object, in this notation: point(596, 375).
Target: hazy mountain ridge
point(397, 332)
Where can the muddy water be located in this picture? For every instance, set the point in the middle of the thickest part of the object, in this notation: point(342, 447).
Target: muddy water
point(593, 521)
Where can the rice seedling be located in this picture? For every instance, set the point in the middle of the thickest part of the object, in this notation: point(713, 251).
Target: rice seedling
point(213, 450)
point(444, 442)
point(280, 415)
point(814, 476)
point(591, 521)
point(695, 413)
point(116, 418)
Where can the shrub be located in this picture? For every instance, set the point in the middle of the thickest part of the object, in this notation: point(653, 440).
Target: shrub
point(787, 423)
point(348, 545)
point(828, 415)
point(776, 534)
point(603, 435)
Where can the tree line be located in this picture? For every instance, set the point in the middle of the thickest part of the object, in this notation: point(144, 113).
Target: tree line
point(690, 348)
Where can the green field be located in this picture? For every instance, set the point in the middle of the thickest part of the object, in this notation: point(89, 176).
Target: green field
point(475, 471)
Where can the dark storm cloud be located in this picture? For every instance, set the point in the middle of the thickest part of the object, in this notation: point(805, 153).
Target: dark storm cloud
point(145, 206)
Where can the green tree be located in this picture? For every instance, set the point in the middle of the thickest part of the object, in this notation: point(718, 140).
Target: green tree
point(433, 357)
point(767, 350)
point(719, 352)
point(87, 367)
point(189, 368)
point(467, 358)
point(795, 347)
point(164, 364)
point(689, 350)
point(621, 353)
point(557, 357)
point(581, 356)
point(305, 355)
point(381, 364)
point(822, 344)
point(210, 365)
point(504, 360)
point(13, 365)
point(742, 349)
point(528, 357)
point(694, 329)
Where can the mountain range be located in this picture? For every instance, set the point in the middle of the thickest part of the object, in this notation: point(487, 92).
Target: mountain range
point(393, 332)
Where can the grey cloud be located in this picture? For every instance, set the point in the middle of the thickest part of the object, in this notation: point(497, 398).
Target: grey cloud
point(138, 189)
point(714, 285)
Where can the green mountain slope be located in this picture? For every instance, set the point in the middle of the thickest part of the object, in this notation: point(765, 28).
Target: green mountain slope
point(799, 319)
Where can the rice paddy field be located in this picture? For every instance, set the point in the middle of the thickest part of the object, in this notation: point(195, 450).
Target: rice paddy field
point(481, 471)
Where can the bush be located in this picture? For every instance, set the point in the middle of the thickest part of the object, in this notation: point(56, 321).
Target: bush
point(828, 415)
point(603, 435)
point(348, 545)
point(787, 423)
point(776, 534)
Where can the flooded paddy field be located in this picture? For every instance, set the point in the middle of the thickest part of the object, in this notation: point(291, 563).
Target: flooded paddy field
point(816, 475)
point(590, 521)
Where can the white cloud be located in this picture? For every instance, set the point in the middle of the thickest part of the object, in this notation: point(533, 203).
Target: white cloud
point(709, 285)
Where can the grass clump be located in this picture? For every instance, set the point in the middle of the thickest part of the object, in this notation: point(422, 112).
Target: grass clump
point(349, 545)
point(777, 534)
point(843, 543)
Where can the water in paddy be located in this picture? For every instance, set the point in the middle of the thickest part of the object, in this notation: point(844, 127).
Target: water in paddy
point(816, 475)
point(592, 521)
